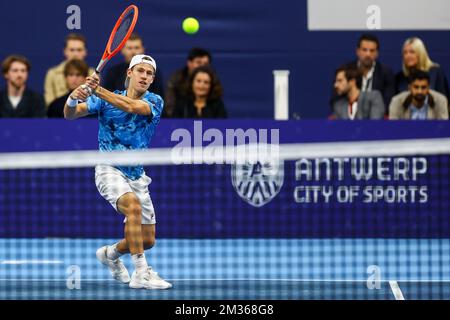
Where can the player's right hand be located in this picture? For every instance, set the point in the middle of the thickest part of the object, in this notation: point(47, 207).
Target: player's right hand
point(81, 93)
point(93, 82)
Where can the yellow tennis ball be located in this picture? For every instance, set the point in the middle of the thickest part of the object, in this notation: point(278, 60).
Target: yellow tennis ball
point(190, 25)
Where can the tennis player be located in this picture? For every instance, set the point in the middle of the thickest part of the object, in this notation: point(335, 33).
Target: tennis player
point(127, 121)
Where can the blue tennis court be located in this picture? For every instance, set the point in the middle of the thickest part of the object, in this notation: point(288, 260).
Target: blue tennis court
point(224, 269)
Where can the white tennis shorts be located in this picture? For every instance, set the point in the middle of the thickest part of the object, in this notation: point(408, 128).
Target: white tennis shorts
point(112, 184)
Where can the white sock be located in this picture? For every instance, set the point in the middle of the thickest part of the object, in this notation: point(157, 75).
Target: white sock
point(140, 263)
point(112, 253)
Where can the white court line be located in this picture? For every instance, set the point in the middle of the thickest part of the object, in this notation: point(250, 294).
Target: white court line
point(308, 280)
point(205, 280)
point(396, 290)
point(21, 262)
point(246, 279)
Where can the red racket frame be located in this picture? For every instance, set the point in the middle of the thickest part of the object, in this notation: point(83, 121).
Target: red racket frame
point(107, 55)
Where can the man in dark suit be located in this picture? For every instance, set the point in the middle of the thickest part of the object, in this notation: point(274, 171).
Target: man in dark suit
point(116, 75)
point(17, 101)
point(353, 103)
point(375, 76)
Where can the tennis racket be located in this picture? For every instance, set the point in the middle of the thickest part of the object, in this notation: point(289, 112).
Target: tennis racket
point(119, 35)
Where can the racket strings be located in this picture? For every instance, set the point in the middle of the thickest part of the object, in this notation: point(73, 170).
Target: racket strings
point(122, 30)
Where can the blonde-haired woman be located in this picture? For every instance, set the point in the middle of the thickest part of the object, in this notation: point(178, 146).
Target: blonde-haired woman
point(415, 57)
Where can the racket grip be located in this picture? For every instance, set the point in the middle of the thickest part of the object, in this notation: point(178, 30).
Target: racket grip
point(89, 90)
point(100, 66)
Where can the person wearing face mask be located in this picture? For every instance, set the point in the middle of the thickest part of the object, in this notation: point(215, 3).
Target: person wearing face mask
point(204, 96)
point(420, 102)
point(415, 57)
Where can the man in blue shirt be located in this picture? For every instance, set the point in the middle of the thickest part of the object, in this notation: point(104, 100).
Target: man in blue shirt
point(419, 112)
point(127, 121)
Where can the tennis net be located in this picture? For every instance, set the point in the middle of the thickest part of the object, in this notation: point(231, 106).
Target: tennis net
point(347, 220)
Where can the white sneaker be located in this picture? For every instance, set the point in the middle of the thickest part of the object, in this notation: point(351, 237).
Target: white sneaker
point(116, 267)
point(148, 280)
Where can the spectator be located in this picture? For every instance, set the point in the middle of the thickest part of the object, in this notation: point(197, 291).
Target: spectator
point(17, 101)
point(55, 85)
point(116, 75)
point(375, 75)
point(178, 83)
point(354, 103)
point(75, 74)
point(415, 57)
point(204, 96)
point(419, 103)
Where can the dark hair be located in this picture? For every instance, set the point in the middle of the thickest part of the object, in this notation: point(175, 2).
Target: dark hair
point(215, 91)
point(78, 65)
point(135, 36)
point(6, 64)
point(198, 52)
point(418, 75)
point(351, 73)
point(74, 36)
point(368, 37)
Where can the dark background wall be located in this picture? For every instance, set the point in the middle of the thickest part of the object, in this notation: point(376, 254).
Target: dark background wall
point(248, 39)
